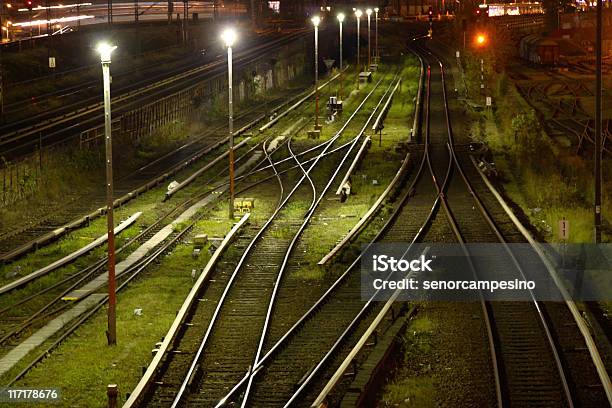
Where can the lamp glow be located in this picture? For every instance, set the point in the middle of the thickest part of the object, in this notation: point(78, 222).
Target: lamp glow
point(376, 9)
point(316, 20)
point(105, 50)
point(341, 17)
point(369, 12)
point(229, 37)
point(358, 13)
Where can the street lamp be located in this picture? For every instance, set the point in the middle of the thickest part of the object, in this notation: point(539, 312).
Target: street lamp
point(105, 50)
point(358, 15)
point(316, 20)
point(369, 13)
point(340, 20)
point(229, 37)
point(376, 19)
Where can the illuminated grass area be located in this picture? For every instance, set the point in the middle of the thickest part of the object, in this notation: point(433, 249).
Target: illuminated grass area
point(84, 363)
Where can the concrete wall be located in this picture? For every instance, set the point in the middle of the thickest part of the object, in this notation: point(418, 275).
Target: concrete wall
point(252, 80)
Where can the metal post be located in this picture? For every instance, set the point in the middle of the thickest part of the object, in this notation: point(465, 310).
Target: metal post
point(231, 132)
point(369, 53)
point(185, 20)
point(1, 86)
point(598, 95)
point(376, 53)
point(316, 40)
point(112, 392)
point(341, 68)
point(136, 11)
point(358, 53)
point(105, 54)
point(109, 11)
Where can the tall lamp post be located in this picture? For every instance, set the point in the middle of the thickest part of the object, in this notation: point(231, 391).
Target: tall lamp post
point(358, 15)
point(105, 51)
point(229, 37)
point(316, 20)
point(376, 20)
point(369, 13)
point(598, 127)
point(340, 20)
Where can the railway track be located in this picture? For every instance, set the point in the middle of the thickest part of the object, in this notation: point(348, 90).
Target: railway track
point(86, 92)
point(526, 361)
point(230, 341)
point(525, 358)
point(51, 128)
point(81, 209)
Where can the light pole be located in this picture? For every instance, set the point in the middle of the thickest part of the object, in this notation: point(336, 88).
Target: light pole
point(340, 20)
point(598, 118)
point(105, 51)
point(358, 15)
point(369, 13)
point(229, 37)
point(376, 19)
point(316, 20)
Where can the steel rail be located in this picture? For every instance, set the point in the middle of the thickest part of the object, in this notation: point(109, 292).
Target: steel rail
point(90, 270)
point(162, 84)
point(143, 187)
point(294, 241)
point(135, 270)
point(211, 325)
point(492, 225)
point(311, 312)
point(583, 326)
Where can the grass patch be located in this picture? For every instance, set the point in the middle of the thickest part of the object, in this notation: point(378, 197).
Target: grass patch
point(413, 385)
point(79, 367)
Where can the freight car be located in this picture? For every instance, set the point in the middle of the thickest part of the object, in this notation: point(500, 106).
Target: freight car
point(538, 50)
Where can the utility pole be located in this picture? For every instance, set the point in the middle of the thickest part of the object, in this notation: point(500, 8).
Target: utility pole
point(109, 11)
point(185, 20)
point(1, 65)
point(598, 106)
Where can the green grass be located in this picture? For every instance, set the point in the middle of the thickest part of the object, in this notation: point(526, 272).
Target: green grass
point(548, 179)
point(413, 384)
point(83, 365)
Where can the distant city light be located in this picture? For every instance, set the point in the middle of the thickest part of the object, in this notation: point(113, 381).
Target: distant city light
point(274, 6)
point(59, 6)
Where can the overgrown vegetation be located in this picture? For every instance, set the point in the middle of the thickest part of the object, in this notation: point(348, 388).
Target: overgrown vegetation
point(549, 179)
